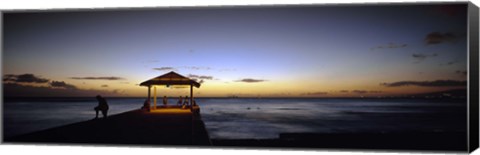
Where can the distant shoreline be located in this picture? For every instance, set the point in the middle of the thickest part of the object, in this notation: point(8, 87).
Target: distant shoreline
point(457, 94)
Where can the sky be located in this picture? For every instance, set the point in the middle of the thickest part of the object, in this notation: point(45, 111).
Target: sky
point(293, 51)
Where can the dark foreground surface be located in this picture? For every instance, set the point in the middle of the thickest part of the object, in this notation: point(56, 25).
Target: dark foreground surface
point(132, 128)
point(156, 129)
point(455, 142)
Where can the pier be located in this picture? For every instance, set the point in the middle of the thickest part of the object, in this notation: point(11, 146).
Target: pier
point(167, 126)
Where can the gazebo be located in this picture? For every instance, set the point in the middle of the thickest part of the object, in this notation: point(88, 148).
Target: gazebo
point(170, 79)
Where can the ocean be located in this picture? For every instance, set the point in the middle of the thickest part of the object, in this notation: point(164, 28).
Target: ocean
point(258, 118)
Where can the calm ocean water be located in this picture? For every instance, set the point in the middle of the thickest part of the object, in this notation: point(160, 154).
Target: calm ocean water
point(258, 118)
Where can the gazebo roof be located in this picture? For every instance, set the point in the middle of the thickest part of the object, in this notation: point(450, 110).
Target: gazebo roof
point(171, 78)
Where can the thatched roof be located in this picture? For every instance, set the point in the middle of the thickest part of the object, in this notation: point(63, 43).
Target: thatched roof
point(170, 78)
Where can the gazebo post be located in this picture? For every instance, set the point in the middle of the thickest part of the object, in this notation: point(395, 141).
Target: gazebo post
point(149, 94)
point(148, 98)
point(191, 97)
point(154, 97)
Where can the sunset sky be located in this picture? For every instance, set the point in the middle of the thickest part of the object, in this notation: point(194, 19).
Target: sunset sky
point(302, 51)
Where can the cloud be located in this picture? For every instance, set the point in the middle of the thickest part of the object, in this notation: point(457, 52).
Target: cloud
point(182, 67)
point(449, 63)
point(29, 85)
point(200, 78)
point(164, 69)
point(192, 68)
point(98, 78)
point(61, 84)
point(24, 78)
point(315, 93)
point(461, 72)
point(436, 83)
point(389, 46)
point(438, 37)
point(118, 91)
point(104, 86)
point(196, 68)
point(421, 57)
point(250, 80)
point(359, 91)
point(30, 79)
point(203, 77)
point(19, 90)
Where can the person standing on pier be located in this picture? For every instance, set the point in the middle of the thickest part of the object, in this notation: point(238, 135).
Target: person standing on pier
point(102, 106)
point(165, 100)
point(185, 102)
point(180, 100)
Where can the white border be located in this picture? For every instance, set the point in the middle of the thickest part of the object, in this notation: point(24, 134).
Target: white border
point(69, 4)
point(6, 5)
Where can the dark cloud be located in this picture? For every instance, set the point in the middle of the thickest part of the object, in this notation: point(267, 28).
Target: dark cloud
point(461, 72)
point(451, 62)
point(315, 93)
point(203, 77)
point(359, 91)
point(436, 83)
point(98, 78)
point(356, 91)
point(389, 46)
point(164, 68)
point(198, 80)
point(104, 85)
point(118, 91)
point(250, 80)
point(27, 80)
point(24, 78)
point(9, 78)
point(438, 37)
point(61, 84)
point(19, 90)
point(421, 57)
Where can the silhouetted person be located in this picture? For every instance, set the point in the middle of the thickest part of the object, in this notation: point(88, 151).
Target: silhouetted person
point(186, 100)
point(180, 100)
point(102, 106)
point(146, 105)
point(165, 101)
